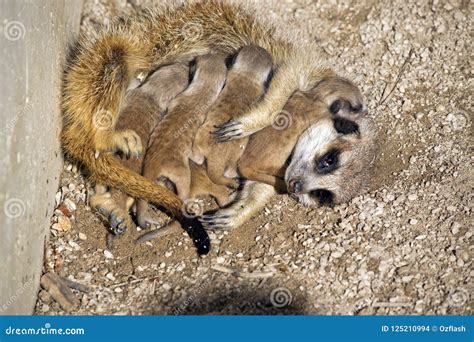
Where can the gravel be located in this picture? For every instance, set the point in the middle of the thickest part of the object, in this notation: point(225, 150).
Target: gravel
point(405, 247)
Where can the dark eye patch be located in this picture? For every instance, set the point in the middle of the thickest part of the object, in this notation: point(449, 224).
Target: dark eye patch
point(345, 126)
point(323, 196)
point(328, 162)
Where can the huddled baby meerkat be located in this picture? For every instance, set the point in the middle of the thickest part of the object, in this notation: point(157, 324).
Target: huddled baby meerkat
point(167, 158)
point(101, 66)
point(142, 109)
point(245, 85)
point(322, 155)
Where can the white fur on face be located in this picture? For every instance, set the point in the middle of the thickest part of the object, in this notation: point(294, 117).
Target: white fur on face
point(313, 141)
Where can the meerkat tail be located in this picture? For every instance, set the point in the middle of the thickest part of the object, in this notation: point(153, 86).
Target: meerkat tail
point(106, 167)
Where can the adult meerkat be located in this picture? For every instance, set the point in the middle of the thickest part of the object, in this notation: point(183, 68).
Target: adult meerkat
point(99, 70)
point(142, 109)
point(330, 149)
point(167, 158)
point(245, 85)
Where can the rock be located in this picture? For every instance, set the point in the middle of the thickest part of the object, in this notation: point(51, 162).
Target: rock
point(59, 291)
point(413, 221)
point(74, 245)
point(412, 197)
point(108, 254)
point(70, 205)
point(63, 224)
point(455, 228)
point(82, 236)
point(45, 297)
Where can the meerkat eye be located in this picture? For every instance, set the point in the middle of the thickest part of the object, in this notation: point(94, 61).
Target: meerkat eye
point(328, 162)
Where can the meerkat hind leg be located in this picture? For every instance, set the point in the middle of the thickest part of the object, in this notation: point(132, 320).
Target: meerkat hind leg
point(115, 207)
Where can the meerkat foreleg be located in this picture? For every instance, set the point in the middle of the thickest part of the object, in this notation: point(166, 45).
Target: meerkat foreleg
point(253, 197)
point(300, 72)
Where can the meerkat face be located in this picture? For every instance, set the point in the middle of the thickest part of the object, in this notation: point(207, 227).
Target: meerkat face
point(331, 162)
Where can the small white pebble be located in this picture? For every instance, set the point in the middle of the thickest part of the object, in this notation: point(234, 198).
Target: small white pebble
point(108, 254)
point(412, 197)
point(455, 228)
point(82, 236)
point(413, 221)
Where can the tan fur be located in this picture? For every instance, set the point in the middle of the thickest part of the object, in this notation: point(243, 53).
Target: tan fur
point(167, 157)
point(244, 86)
point(202, 185)
point(101, 68)
point(141, 111)
point(263, 162)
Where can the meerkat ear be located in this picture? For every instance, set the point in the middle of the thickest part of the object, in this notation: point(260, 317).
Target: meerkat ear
point(345, 126)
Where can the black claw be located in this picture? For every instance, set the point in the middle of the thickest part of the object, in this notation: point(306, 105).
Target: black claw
point(225, 134)
point(229, 123)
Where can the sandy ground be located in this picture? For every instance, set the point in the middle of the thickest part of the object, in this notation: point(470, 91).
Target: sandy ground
point(403, 248)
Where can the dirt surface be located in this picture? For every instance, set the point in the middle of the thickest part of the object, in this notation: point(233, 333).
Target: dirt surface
point(403, 248)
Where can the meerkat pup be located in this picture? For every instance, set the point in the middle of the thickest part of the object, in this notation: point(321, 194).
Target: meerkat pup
point(245, 85)
point(167, 158)
point(322, 155)
point(100, 68)
point(143, 108)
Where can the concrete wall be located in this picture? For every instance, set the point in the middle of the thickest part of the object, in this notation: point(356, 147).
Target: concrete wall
point(33, 37)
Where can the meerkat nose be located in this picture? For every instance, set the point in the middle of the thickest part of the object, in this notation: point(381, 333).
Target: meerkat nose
point(295, 186)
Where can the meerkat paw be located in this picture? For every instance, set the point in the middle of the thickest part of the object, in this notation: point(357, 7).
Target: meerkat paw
point(128, 143)
point(239, 128)
point(119, 221)
point(223, 219)
point(229, 130)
